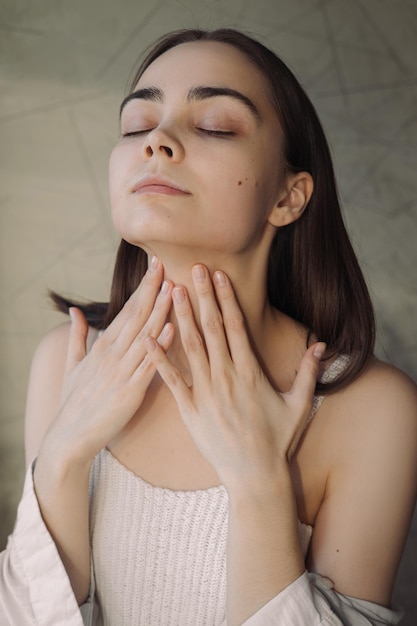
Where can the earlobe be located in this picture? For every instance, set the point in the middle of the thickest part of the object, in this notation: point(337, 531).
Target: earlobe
point(293, 200)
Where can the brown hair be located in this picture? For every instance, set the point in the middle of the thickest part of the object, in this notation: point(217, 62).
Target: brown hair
point(313, 273)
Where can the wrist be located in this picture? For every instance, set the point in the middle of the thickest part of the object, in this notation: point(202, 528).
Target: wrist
point(63, 451)
point(264, 547)
point(57, 465)
point(267, 500)
point(274, 484)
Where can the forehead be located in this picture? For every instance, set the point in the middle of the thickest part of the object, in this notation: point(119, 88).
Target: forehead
point(205, 62)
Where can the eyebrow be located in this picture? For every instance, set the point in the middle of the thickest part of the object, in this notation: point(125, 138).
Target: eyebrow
point(195, 94)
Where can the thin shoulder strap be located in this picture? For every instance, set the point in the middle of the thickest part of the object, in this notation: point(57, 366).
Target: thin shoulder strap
point(332, 372)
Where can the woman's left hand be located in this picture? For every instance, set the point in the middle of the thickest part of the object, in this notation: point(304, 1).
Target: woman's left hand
point(240, 423)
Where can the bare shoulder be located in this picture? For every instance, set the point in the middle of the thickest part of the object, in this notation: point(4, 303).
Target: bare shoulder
point(369, 435)
point(373, 421)
point(53, 345)
point(45, 385)
point(381, 400)
point(384, 378)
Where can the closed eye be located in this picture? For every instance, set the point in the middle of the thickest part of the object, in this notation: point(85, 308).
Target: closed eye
point(207, 131)
point(135, 133)
point(217, 133)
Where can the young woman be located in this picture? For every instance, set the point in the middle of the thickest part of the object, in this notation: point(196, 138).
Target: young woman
point(187, 468)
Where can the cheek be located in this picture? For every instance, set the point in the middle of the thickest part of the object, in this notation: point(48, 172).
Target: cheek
point(113, 175)
point(245, 190)
point(245, 202)
point(242, 180)
point(252, 189)
point(115, 188)
point(118, 169)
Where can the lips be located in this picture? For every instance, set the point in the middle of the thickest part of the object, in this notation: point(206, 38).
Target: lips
point(158, 185)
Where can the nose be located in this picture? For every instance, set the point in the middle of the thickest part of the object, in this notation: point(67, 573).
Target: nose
point(161, 144)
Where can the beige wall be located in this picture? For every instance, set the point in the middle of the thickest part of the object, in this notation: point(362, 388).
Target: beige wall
point(64, 66)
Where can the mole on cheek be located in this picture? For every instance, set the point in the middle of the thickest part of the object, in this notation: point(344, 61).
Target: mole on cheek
point(239, 182)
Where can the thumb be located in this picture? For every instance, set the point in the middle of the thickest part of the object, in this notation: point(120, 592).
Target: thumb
point(306, 379)
point(302, 392)
point(77, 345)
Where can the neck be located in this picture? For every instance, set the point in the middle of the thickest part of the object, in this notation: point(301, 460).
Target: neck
point(247, 273)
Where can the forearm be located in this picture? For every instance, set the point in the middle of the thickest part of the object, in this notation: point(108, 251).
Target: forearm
point(264, 554)
point(266, 578)
point(62, 491)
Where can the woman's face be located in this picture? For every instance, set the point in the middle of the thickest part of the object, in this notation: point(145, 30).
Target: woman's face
point(199, 159)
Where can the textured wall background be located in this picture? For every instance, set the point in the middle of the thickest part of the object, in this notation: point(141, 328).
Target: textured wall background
point(64, 65)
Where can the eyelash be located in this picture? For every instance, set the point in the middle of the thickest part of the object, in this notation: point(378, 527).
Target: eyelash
point(206, 131)
point(135, 133)
point(217, 133)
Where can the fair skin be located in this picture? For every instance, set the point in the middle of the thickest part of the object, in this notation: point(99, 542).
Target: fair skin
point(209, 218)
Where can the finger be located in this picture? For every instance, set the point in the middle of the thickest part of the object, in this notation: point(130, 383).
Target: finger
point(77, 345)
point(191, 339)
point(130, 320)
point(154, 324)
point(146, 370)
point(170, 374)
point(211, 318)
point(234, 322)
point(304, 385)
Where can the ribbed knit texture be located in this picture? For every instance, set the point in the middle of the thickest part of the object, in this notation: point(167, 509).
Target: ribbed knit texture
point(160, 555)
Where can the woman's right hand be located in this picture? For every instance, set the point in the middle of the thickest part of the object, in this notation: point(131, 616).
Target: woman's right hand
point(103, 389)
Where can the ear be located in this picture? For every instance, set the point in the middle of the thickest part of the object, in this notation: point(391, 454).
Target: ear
point(293, 199)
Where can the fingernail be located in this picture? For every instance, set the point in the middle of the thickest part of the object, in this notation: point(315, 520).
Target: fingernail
point(164, 287)
point(166, 330)
point(154, 263)
point(319, 350)
point(179, 294)
point(220, 278)
point(199, 273)
point(71, 313)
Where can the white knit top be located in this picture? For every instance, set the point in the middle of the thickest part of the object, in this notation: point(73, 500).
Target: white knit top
point(159, 556)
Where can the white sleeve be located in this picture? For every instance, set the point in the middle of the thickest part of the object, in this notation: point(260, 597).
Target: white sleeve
point(34, 587)
point(310, 600)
